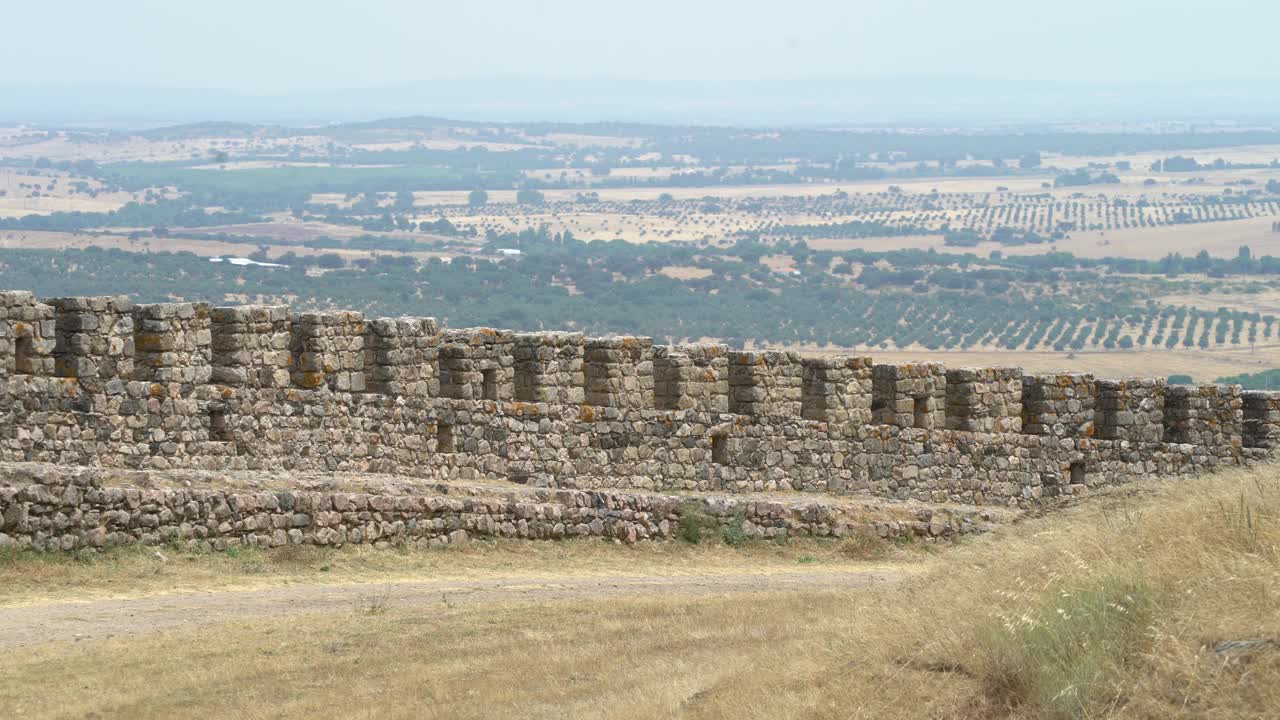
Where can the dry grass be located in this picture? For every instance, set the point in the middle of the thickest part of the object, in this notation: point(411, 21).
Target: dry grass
point(31, 578)
point(1102, 611)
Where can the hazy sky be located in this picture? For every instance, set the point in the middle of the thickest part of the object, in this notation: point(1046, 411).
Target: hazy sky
point(281, 45)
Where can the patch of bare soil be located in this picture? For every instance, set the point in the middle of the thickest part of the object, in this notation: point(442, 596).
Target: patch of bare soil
point(101, 619)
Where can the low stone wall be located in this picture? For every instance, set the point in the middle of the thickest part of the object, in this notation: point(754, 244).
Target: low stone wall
point(47, 507)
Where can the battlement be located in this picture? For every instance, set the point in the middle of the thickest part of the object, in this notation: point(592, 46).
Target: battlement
point(102, 381)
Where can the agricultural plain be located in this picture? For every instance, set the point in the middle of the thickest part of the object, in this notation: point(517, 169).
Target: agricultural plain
point(1073, 248)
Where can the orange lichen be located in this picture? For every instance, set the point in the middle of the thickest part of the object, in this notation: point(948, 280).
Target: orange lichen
point(310, 379)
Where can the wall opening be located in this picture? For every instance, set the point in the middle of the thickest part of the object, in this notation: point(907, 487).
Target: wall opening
point(921, 412)
point(219, 429)
point(489, 384)
point(720, 449)
point(25, 356)
point(813, 398)
point(445, 442)
point(1077, 474)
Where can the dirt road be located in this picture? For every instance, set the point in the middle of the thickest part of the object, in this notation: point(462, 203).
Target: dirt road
point(100, 619)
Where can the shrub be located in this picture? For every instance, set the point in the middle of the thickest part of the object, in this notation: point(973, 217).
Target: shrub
point(733, 534)
point(694, 523)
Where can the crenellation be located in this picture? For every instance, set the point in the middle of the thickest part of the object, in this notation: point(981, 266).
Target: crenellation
point(837, 389)
point(327, 350)
point(401, 356)
point(913, 395)
point(691, 377)
point(93, 338)
point(173, 343)
point(27, 335)
point(477, 364)
point(1261, 411)
point(984, 399)
point(618, 372)
point(1059, 405)
point(557, 410)
point(1204, 415)
point(1131, 409)
point(549, 367)
point(766, 383)
point(250, 346)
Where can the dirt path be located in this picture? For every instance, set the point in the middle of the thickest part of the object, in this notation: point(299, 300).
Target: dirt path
point(100, 619)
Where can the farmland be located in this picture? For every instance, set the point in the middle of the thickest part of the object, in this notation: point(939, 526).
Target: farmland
point(1063, 248)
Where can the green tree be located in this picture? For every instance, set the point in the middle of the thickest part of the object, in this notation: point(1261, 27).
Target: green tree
point(529, 196)
point(476, 198)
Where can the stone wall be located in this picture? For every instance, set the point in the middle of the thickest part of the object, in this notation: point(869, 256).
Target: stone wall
point(548, 368)
point(984, 399)
point(558, 410)
point(765, 384)
point(1059, 404)
point(912, 395)
point(93, 338)
point(1131, 409)
point(691, 377)
point(837, 389)
point(250, 346)
point(26, 335)
point(1204, 415)
point(327, 350)
point(618, 372)
point(173, 343)
point(58, 508)
point(1261, 411)
point(477, 364)
point(401, 356)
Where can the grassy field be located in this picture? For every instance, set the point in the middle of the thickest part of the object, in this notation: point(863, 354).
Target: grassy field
point(27, 578)
point(1155, 604)
point(275, 179)
point(22, 193)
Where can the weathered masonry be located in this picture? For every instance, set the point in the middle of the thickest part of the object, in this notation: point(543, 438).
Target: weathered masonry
point(107, 383)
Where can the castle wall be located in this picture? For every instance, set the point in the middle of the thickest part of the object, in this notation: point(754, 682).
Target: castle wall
point(984, 399)
point(911, 395)
point(548, 367)
point(691, 377)
point(93, 338)
point(477, 364)
point(1131, 409)
point(285, 392)
point(327, 350)
point(173, 343)
point(837, 389)
point(1059, 404)
point(251, 346)
point(27, 338)
point(1261, 412)
point(765, 384)
point(401, 356)
point(618, 372)
point(1204, 415)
